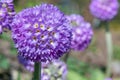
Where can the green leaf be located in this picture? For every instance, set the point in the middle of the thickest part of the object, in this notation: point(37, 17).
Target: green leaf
point(4, 63)
point(72, 75)
point(97, 75)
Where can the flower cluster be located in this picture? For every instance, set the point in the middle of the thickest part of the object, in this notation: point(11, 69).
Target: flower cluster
point(56, 70)
point(28, 64)
point(82, 32)
point(41, 33)
point(104, 9)
point(7, 13)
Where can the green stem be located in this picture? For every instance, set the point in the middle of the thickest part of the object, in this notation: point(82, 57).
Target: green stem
point(37, 71)
point(109, 49)
point(67, 56)
point(107, 26)
point(19, 76)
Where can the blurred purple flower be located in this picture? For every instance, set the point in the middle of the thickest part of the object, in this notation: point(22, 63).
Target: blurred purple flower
point(0, 29)
point(82, 32)
point(29, 65)
point(41, 33)
point(60, 69)
point(8, 1)
point(45, 76)
point(104, 9)
point(56, 69)
point(108, 79)
point(7, 13)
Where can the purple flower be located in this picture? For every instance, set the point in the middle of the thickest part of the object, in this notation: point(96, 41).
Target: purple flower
point(108, 79)
point(104, 9)
point(57, 70)
point(49, 71)
point(75, 20)
point(41, 33)
point(60, 70)
point(0, 29)
point(6, 14)
point(82, 32)
point(8, 1)
point(45, 76)
point(28, 64)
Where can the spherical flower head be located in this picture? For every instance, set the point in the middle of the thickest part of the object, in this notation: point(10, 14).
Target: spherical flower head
point(6, 14)
point(41, 33)
point(105, 10)
point(82, 32)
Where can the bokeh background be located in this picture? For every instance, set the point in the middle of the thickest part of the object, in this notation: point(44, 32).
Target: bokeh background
point(87, 65)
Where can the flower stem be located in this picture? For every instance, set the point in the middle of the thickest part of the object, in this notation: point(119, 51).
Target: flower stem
point(67, 56)
point(19, 76)
point(109, 49)
point(37, 71)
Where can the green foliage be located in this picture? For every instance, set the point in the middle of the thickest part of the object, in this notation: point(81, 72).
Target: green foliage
point(25, 4)
point(116, 52)
point(83, 71)
point(72, 75)
point(92, 47)
point(97, 75)
point(13, 49)
point(7, 37)
point(79, 67)
point(4, 63)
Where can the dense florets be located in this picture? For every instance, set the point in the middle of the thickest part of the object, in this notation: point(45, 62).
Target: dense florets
point(82, 32)
point(41, 33)
point(104, 9)
point(6, 14)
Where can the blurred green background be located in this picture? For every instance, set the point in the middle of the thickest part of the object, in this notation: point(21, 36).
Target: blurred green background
point(87, 65)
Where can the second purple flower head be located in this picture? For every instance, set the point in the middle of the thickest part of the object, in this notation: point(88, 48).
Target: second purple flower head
point(82, 32)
